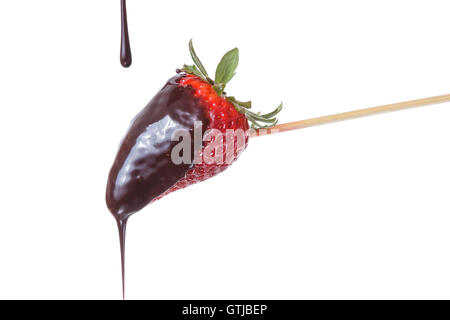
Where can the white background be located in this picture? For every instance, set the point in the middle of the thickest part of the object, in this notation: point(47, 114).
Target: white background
point(357, 209)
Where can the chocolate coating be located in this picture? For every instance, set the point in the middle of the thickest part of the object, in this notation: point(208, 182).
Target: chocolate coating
point(143, 168)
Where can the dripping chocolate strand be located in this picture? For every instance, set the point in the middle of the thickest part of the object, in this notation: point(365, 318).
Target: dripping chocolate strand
point(122, 225)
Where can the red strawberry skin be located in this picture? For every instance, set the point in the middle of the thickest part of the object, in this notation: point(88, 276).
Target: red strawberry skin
point(143, 170)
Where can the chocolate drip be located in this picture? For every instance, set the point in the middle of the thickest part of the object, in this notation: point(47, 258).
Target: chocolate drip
point(122, 226)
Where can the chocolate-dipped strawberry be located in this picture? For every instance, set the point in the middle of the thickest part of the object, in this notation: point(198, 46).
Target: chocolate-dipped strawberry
point(213, 128)
point(144, 170)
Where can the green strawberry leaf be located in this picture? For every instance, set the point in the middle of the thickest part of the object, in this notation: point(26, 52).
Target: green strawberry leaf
point(226, 69)
point(274, 112)
point(196, 60)
point(193, 70)
point(246, 104)
point(257, 119)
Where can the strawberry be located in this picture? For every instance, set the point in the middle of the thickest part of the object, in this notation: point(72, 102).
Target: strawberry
point(144, 170)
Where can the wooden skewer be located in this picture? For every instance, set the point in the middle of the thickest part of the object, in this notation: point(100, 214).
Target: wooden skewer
point(351, 115)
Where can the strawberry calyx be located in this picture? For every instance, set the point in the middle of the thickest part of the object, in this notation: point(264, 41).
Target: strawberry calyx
point(225, 71)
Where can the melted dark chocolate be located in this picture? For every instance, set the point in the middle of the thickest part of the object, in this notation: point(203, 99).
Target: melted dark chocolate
point(125, 48)
point(143, 168)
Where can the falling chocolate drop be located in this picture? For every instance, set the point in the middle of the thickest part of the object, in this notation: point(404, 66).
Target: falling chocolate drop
point(125, 49)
